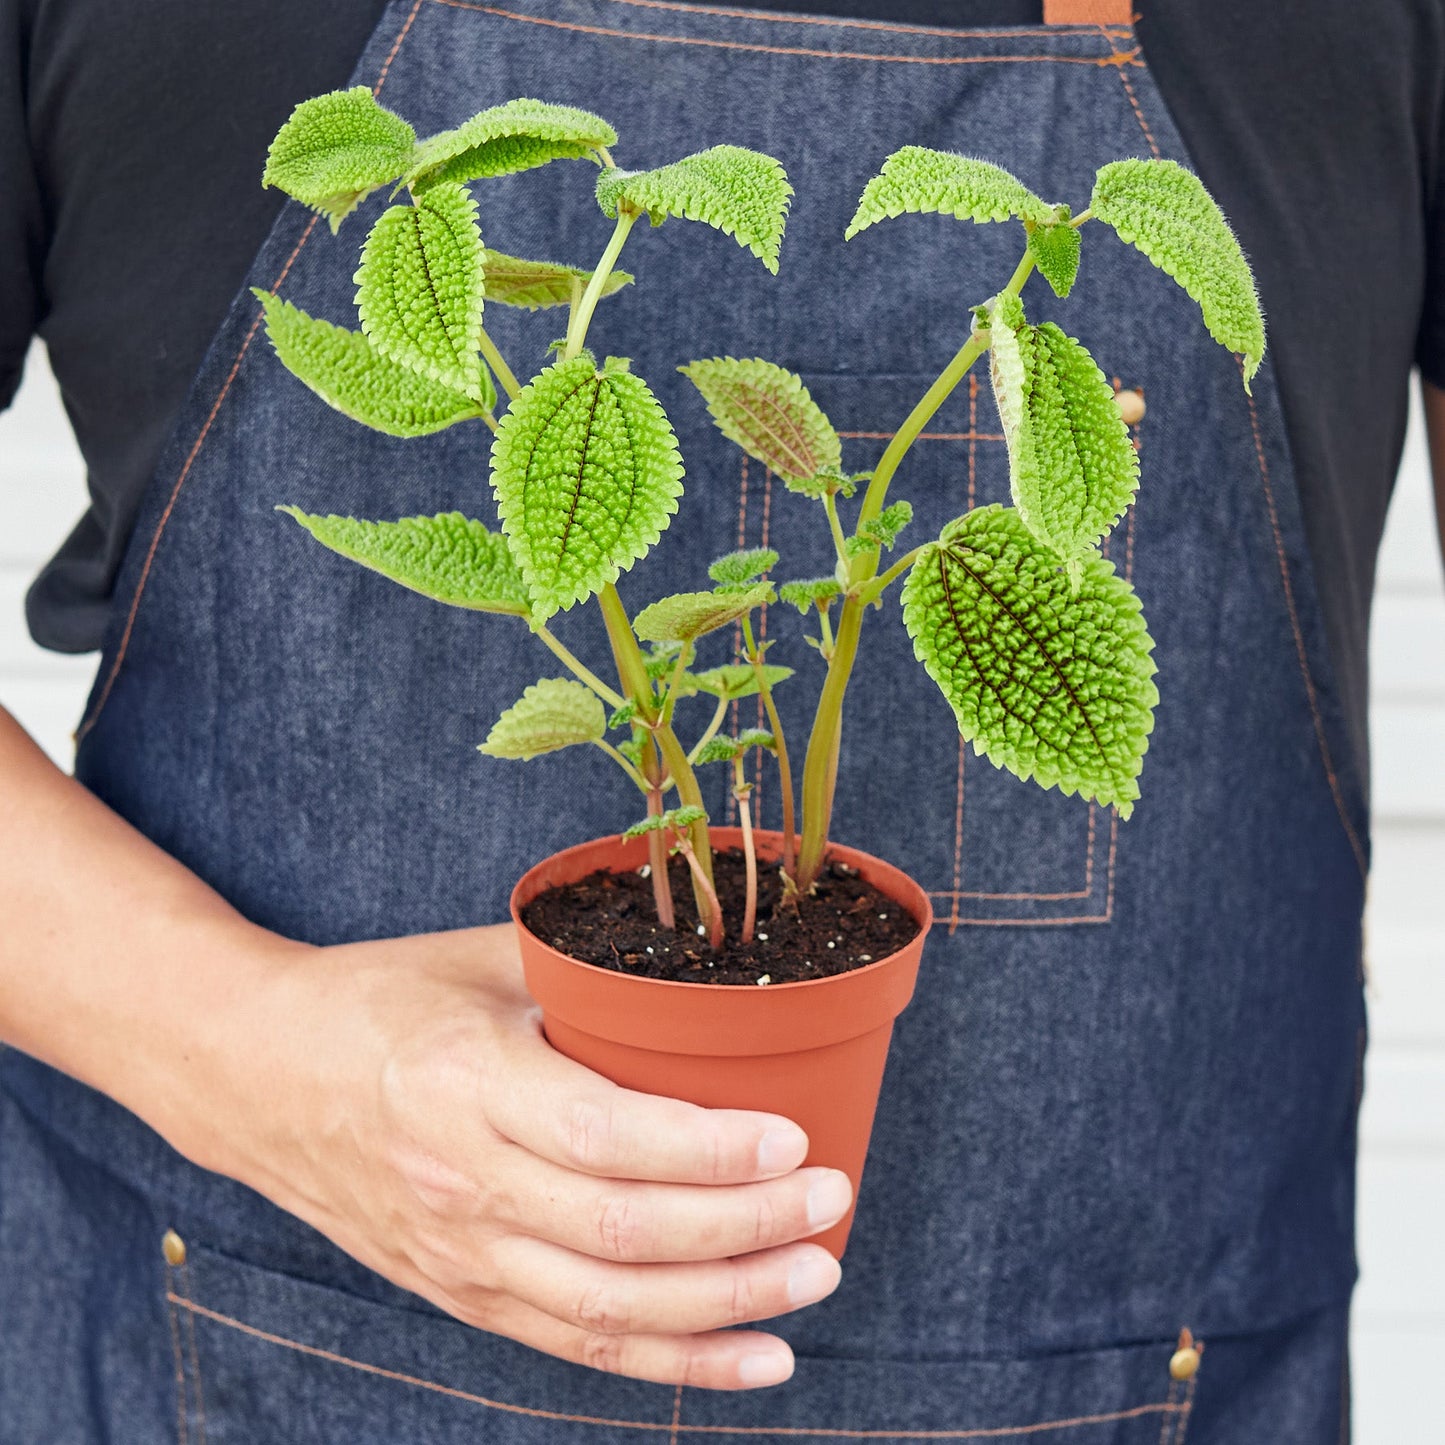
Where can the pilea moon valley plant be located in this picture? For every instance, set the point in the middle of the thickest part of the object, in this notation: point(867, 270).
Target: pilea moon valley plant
point(1037, 644)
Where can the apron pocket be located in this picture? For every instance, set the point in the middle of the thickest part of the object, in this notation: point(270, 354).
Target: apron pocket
point(264, 1356)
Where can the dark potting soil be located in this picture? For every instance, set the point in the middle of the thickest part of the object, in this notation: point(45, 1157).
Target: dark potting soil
point(610, 919)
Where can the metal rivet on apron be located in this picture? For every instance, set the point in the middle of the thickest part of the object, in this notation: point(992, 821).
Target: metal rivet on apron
point(174, 1248)
point(1131, 406)
point(1184, 1363)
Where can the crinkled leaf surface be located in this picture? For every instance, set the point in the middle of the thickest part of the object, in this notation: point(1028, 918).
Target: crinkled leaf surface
point(536, 284)
point(347, 372)
point(740, 192)
point(883, 530)
point(1072, 468)
point(737, 679)
point(674, 819)
point(552, 714)
point(336, 149)
point(739, 569)
point(505, 138)
point(687, 616)
point(1164, 210)
point(420, 287)
point(808, 593)
point(587, 474)
point(918, 179)
point(1052, 685)
point(449, 558)
point(769, 413)
point(1055, 250)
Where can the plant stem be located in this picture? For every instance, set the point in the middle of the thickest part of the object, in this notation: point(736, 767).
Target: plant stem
point(582, 312)
point(785, 769)
point(929, 404)
point(875, 589)
point(1085, 215)
point(669, 703)
point(711, 916)
point(657, 861)
point(500, 369)
point(719, 714)
point(490, 420)
point(633, 776)
point(825, 627)
point(741, 790)
point(608, 695)
point(830, 505)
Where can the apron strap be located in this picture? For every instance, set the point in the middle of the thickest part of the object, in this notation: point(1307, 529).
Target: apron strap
point(1088, 12)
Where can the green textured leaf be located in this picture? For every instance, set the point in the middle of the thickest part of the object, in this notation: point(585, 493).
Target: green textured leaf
point(622, 717)
point(737, 679)
point(739, 569)
point(587, 474)
point(536, 284)
point(726, 750)
point(740, 192)
point(449, 558)
point(1052, 685)
point(660, 660)
point(553, 714)
point(811, 592)
point(1165, 212)
point(347, 372)
point(507, 138)
point(675, 820)
point(769, 413)
point(918, 179)
point(1072, 468)
point(420, 287)
point(336, 149)
point(883, 530)
point(689, 615)
point(1055, 250)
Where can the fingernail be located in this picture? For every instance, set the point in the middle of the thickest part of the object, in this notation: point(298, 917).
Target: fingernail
point(813, 1276)
point(765, 1367)
point(828, 1200)
point(781, 1149)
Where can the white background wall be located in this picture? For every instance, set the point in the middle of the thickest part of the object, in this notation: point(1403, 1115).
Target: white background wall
point(1400, 1311)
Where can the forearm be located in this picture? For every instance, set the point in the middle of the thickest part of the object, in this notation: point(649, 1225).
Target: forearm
point(117, 965)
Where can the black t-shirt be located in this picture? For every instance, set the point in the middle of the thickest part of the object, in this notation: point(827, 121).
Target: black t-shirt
point(132, 138)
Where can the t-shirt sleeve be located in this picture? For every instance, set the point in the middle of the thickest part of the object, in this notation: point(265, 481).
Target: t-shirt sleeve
point(21, 215)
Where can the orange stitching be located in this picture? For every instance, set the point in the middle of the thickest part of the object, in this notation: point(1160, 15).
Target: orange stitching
point(195, 1357)
point(732, 803)
point(395, 46)
point(992, 1433)
point(957, 840)
point(762, 637)
point(940, 30)
point(181, 1435)
point(1114, 58)
point(89, 722)
point(676, 1415)
point(1133, 99)
point(1168, 1420)
point(1299, 641)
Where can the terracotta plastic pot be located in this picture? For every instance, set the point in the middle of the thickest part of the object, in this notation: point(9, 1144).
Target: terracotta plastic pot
point(811, 1051)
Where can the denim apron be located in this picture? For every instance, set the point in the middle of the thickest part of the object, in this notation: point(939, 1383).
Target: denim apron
point(1123, 1101)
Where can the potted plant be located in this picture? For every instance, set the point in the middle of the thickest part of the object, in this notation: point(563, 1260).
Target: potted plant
point(736, 967)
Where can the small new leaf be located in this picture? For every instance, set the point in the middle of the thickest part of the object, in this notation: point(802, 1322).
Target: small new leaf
point(738, 569)
point(347, 372)
point(622, 717)
point(675, 820)
point(689, 615)
point(420, 287)
point(883, 530)
point(918, 179)
point(1051, 684)
point(336, 149)
point(1165, 212)
point(740, 192)
point(1055, 250)
point(587, 474)
point(506, 138)
point(552, 714)
point(449, 558)
point(810, 593)
point(769, 413)
point(738, 679)
point(717, 750)
point(533, 285)
point(1072, 468)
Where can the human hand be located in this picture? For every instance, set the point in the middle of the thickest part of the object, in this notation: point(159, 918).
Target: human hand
point(419, 1118)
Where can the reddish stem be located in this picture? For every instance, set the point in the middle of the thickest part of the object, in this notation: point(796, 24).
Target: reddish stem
point(750, 913)
point(657, 860)
point(714, 918)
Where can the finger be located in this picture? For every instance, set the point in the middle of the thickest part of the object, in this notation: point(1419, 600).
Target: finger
point(554, 1107)
point(724, 1360)
point(626, 1299)
point(644, 1223)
